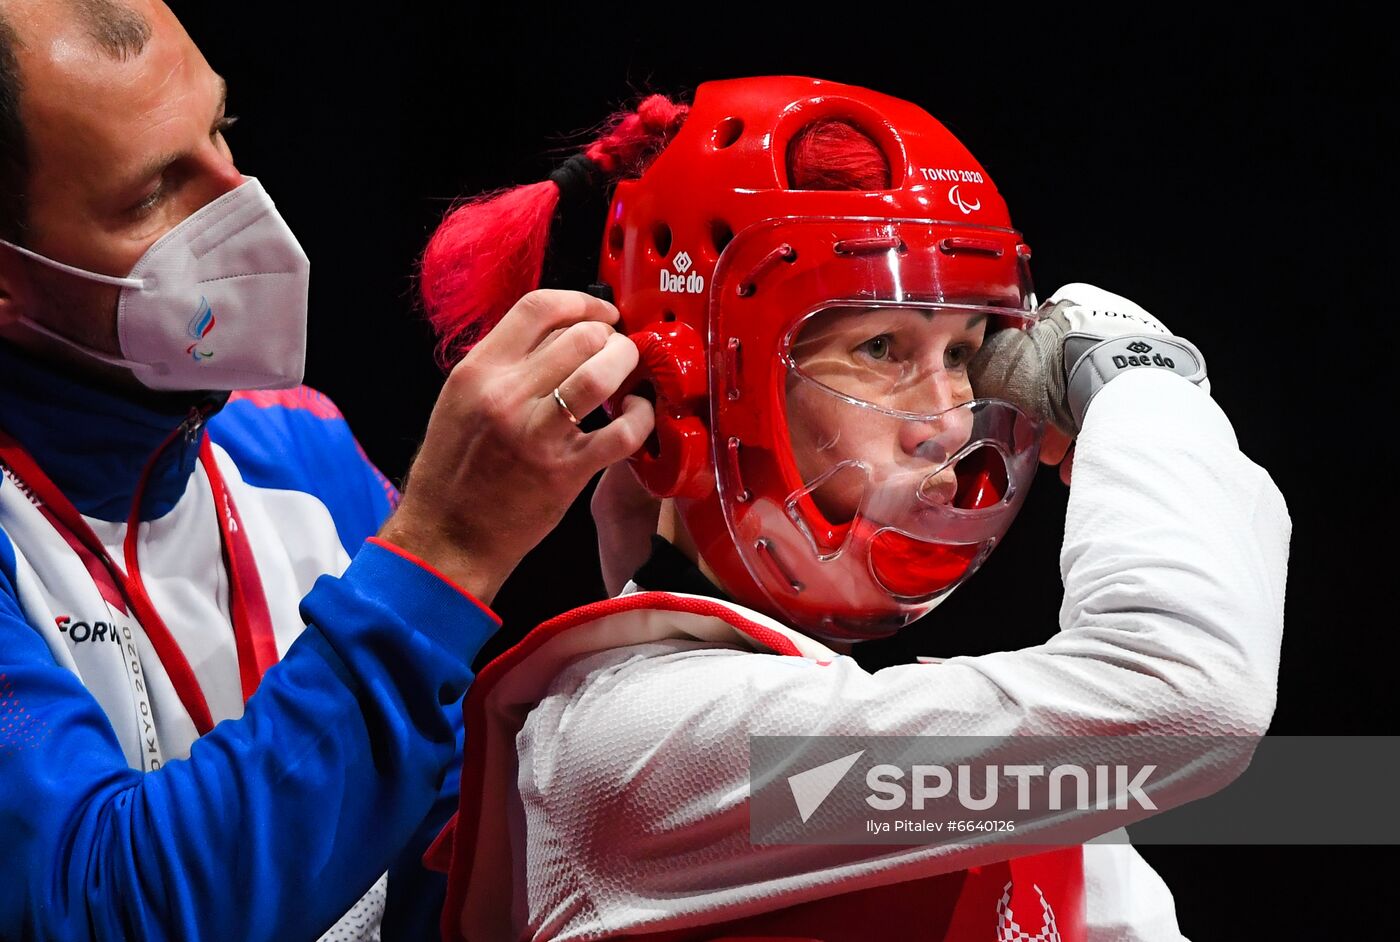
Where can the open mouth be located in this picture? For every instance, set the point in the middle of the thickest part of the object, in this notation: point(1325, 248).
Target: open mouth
point(939, 489)
point(909, 495)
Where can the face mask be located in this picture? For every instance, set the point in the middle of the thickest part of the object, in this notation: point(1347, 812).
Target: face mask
point(218, 302)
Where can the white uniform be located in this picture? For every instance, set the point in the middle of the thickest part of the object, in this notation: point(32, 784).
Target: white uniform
point(626, 793)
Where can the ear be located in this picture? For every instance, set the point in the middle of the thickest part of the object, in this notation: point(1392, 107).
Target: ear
point(625, 516)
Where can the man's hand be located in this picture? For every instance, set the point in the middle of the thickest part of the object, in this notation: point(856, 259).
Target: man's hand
point(1084, 337)
point(501, 461)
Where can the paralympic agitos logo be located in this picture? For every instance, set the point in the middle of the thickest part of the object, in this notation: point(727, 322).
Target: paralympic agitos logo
point(198, 328)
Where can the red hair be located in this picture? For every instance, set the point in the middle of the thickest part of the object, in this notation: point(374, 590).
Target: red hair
point(834, 155)
point(489, 251)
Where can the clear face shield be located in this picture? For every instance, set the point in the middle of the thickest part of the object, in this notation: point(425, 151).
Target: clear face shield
point(885, 480)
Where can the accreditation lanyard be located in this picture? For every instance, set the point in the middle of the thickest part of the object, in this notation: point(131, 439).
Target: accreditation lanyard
point(124, 589)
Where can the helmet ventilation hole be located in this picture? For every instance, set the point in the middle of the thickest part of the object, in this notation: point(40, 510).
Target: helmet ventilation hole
point(837, 154)
point(720, 234)
point(661, 238)
point(727, 132)
point(749, 283)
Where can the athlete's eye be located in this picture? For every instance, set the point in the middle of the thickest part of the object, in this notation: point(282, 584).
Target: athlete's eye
point(877, 348)
point(960, 355)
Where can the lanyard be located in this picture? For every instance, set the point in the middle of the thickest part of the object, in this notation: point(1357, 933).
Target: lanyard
point(125, 591)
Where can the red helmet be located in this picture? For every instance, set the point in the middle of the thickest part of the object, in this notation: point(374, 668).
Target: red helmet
point(718, 266)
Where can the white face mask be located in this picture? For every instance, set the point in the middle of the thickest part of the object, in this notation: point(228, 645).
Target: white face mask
point(218, 302)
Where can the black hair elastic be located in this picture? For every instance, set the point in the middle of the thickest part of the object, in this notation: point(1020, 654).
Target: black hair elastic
point(575, 177)
point(571, 259)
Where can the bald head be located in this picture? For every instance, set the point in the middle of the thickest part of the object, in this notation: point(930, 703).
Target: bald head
point(120, 28)
point(116, 27)
point(41, 28)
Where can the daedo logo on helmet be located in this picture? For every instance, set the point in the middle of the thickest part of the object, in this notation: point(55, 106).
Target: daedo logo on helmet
point(198, 328)
point(680, 282)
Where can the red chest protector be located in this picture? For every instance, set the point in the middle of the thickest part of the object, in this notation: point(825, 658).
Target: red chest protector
point(1037, 898)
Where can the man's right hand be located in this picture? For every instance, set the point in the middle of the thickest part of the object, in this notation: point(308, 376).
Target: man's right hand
point(501, 461)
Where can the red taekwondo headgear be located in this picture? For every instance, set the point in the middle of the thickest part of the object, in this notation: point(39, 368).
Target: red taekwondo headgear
point(806, 350)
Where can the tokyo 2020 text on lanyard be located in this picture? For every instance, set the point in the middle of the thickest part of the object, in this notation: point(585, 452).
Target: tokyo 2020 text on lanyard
point(124, 590)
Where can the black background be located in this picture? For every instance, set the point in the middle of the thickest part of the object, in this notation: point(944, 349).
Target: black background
point(1227, 176)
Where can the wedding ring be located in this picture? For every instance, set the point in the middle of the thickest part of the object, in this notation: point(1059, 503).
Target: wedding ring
point(568, 413)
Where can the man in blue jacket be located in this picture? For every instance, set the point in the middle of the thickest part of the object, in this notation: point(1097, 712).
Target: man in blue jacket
point(227, 706)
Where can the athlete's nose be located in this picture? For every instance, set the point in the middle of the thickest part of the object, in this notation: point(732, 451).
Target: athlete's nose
point(946, 427)
point(934, 440)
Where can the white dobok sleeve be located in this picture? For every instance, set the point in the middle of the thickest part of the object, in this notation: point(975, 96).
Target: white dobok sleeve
point(633, 770)
point(1124, 898)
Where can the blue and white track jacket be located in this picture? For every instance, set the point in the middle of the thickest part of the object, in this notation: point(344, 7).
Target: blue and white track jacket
point(342, 765)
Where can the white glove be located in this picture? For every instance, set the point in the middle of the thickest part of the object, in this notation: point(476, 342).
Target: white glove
point(1084, 337)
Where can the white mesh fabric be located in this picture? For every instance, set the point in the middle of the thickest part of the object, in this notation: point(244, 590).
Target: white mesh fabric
point(362, 922)
point(1124, 898)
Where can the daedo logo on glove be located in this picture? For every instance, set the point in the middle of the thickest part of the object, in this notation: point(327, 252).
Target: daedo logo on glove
point(1141, 350)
